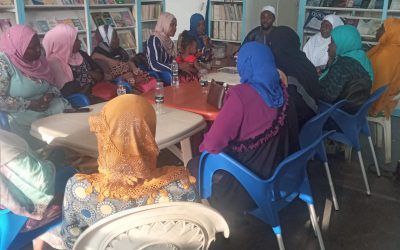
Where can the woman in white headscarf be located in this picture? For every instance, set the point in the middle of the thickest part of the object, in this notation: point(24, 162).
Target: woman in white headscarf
point(316, 48)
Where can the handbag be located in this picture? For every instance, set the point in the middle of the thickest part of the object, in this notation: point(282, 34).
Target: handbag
point(105, 90)
point(216, 94)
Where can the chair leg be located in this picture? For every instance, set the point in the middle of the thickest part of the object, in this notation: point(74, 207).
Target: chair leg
point(328, 174)
point(347, 153)
point(380, 129)
point(388, 140)
point(314, 221)
point(363, 172)
point(280, 241)
point(378, 172)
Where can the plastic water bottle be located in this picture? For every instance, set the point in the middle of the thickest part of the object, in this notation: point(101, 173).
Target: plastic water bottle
point(175, 73)
point(120, 89)
point(159, 97)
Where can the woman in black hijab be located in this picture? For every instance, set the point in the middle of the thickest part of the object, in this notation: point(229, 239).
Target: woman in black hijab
point(302, 77)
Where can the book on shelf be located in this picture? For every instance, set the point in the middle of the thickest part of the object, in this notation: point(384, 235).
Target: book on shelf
point(395, 5)
point(222, 30)
point(53, 2)
point(128, 18)
point(234, 32)
point(215, 30)
point(42, 26)
point(228, 31)
point(5, 24)
point(314, 19)
point(146, 33)
point(326, 3)
point(107, 19)
point(126, 39)
point(117, 17)
point(151, 11)
point(6, 2)
point(233, 12)
point(368, 26)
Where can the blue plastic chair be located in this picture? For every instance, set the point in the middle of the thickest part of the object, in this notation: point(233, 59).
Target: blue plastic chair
point(272, 195)
point(4, 121)
point(352, 126)
point(165, 76)
point(11, 225)
point(311, 131)
point(127, 86)
point(78, 100)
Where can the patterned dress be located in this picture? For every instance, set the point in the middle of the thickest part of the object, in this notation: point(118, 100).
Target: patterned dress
point(80, 210)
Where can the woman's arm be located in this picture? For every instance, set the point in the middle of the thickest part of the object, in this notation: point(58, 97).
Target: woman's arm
point(332, 84)
point(154, 51)
point(226, 127)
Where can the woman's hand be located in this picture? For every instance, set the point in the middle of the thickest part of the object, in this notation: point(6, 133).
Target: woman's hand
point(41, 104)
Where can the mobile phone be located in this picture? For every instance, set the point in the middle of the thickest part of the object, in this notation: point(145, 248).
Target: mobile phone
point(77, 110)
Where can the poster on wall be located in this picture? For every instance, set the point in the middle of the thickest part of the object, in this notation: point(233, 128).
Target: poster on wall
point(183, 10)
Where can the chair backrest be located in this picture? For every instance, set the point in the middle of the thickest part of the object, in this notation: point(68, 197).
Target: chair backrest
point(312, 129)
point(4, 121)
point(78, 100)
point(363, 111)
point(290, 173)
point(175, 225)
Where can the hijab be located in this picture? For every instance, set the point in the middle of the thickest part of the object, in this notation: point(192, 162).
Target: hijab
point(257, 68)
point(285, 45)
point(161, 32)
point(195, 19)
point(58, 44)
point(316, 48)
point(386, 64)
point(125, 130)
point(348, 43)
point(105, 35)
point(14, 43)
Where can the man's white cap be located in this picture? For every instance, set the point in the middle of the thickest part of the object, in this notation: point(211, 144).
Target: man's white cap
point(269, 8)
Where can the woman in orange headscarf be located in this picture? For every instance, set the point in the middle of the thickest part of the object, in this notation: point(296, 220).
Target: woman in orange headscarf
point(128, 176)
point(386, 64)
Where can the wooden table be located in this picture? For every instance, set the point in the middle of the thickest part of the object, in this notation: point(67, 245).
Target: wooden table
point(72, 131)
point(188, 97)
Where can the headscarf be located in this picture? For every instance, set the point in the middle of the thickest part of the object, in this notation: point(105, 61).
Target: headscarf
point(348, 43)
point(105, 34)
point(125, 130)
point(14, 42)
point(257, 68)
point(195, 19)
point(285, 45)
point(386, 63)
point(316, 47)
point(161, 32)
point(58, 44)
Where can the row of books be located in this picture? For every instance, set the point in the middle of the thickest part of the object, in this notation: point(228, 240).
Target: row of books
point(94, 2)
point(42, 26)
point(53, 2)
point(227, 31)
point(227, 12)
point(366, 27)
point(114, 18)
point(6, 2)
point(151, 11)
point(126, 40)
point(364, 4)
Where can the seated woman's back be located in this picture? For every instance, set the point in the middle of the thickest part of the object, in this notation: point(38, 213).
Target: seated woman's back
point(350, 73)
point(252, 126)
point(128, 176)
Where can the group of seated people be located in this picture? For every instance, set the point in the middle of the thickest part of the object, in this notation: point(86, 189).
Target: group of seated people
point(258, 124)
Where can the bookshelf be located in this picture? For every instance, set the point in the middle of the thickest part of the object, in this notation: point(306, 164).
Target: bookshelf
point(366, 15)
point(147, 15)
point(7, 14)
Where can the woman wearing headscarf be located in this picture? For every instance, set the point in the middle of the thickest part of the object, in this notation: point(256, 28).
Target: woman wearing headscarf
point(30, 186)
point(349, 74)
point(128, 176)
point(252, 126)
point(25, 78)
point(198, 31)
point(160, 48)
point(386, 65)
point(115, 62)
point(302, 76)
point(74, 71)
point(316, 48)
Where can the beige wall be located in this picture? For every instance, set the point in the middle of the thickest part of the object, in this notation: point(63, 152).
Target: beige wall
point(288, 13)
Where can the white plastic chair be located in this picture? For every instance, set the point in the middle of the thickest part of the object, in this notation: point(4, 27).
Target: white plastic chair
point(383, 126)
point(175, 225)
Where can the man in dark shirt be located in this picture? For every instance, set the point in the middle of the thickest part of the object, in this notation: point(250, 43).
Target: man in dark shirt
point(261, 33)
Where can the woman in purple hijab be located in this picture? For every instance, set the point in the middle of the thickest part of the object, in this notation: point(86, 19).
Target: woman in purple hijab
point(252, 126)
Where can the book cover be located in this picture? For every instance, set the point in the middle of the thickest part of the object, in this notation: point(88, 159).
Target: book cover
point(357, 3)
point(42, 26)
point(228, 31)
point(215, 30)
point(52, 23)
point(234, 34)
point(110, 1)
point(314, 19)
point(5, 24)
point(117, 18)
point(216, 12)
point(128, 19)
point(97, 18)
point(37, 2)
point(365, 4)
point(120, 1)
point(368, 27)
point(77, 23)
point(126, 39)
point(222, 30)
point(313, 2)
point(108, 19)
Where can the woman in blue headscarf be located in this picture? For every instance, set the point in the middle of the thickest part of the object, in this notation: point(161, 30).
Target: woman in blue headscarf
point(198, 31)
point(349, 74)
point(252, 125)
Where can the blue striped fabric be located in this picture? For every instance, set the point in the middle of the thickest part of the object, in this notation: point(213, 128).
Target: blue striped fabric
point(158, 58)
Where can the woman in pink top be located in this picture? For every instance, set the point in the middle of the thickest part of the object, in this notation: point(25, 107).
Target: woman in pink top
point(252, 126)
